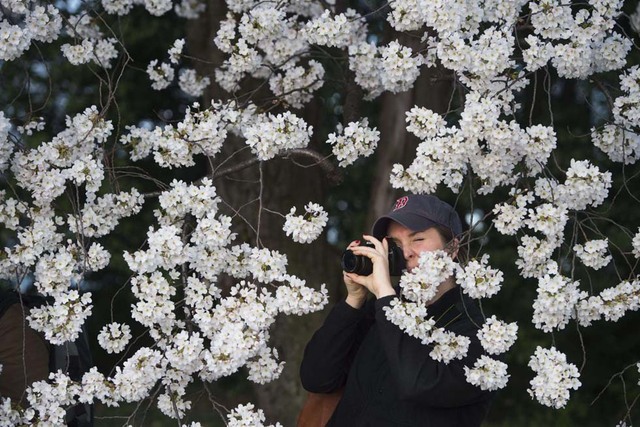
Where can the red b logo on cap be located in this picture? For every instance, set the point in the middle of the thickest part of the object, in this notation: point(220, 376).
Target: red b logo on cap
point(401, 203)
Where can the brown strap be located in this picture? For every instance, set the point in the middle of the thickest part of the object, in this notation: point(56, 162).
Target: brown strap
point(318, 408)
point(24, 354)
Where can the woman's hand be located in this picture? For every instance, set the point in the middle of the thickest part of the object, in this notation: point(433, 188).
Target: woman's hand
point(378, 282)
point(356, 293)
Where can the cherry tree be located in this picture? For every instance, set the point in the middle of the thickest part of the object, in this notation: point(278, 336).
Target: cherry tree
point(207, 295)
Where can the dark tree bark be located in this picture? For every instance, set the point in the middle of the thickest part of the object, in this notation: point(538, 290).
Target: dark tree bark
point(431, 90)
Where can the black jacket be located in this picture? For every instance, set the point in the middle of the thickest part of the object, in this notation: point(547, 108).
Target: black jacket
point(389, 378)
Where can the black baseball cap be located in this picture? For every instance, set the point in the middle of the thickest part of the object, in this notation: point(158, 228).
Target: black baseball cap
point(419, 212)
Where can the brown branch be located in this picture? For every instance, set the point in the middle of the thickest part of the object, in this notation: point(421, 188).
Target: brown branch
point(334, 175)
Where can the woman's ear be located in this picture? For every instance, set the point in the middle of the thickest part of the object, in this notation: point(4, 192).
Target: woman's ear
point(452, 248)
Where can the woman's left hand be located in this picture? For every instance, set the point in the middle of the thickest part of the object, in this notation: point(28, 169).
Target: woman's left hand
point(379, 281)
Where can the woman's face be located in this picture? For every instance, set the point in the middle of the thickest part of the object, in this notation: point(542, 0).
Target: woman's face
point(413, 243)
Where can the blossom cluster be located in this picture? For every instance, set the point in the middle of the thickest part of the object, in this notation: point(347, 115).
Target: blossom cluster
point(305, 228)
point(58, 264)
point(25, 23)
point(200, 132)
point(509, 217)
point(342, 30)
point(483, 142)
point(234, 325)
point(555, 376)
point(296, 85)
point(555, 303)
point(72, 156)
point(593, 45)
point(478, 280)
point(487, 373)
point(355, 141)
point(610, 304)
point(248, 416)
point(421, 284)
point(101, 52)
point(273, 134)
point(162, 74)
point(620, 139)
point(593, 253)
point(410, 314)
point(497, 336)
point(392, 68)
point(114, 337)
point(636, 245)
point(259, 37)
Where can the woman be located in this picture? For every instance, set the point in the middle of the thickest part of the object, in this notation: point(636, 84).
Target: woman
point(388, 377)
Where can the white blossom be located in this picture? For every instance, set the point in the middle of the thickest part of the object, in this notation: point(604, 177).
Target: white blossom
point(297, 84)
point(421, 284)
point(341, 30)
point(392, 67)
point(478, 280)
point(554, 377)
point(447, 346)
point(618, 300)
point(157, 7)
point(50, 398)
point(534, 256)
point(593, 253)
point(267, 265)
point(6, 145)
point(636, 244)
point(117, 7)
point(424, 123)
point(487, 373)
point(584, 186)
point(298, 299)
point(555, 303)
point(190, 9)
point(246, 416)
point(114, 337)
point(276, 134)
point(191, 83)
point(510, 216)
point(497, 336)
point(138, 375)
point(619, 144)
point(550, 220)
point(175, 52)
point(265, 368)
point(355, 141)
point(307, 227)
point(161, 75)
point(61, 321)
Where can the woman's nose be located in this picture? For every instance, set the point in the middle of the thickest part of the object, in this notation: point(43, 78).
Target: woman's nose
point(407, 252)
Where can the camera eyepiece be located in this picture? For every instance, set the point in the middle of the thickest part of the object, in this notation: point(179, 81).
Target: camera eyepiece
point(362, 265)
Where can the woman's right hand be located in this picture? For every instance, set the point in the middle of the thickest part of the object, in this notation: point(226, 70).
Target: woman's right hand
point(356, 293)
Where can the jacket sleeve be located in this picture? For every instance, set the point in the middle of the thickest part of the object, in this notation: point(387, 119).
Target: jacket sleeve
point(417, 375)
point(329, 353)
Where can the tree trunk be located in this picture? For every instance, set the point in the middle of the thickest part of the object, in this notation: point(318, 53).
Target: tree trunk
point(397, 145)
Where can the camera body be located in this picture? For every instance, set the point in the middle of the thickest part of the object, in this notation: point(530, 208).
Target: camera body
point(362, 265)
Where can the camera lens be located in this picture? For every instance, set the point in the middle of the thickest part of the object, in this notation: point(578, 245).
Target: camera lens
point(361, 265)
point(349, 261)
point(358, 264)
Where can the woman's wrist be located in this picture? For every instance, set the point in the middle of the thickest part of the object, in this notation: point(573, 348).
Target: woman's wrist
point(385, 291)
point(355, 301)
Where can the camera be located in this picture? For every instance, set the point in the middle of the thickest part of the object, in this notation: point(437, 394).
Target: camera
point(362, 265)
